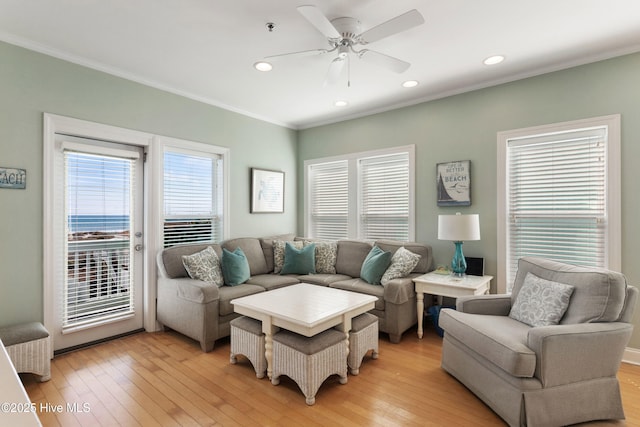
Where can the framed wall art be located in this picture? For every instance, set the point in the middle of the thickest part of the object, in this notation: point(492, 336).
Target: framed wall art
point(454, 183)
point(267, 191)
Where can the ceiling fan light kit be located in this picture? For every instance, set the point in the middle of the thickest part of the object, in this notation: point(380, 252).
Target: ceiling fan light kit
point(344, 33)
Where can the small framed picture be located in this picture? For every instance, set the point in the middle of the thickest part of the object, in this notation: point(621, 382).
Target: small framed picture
point(267, 191)
point(454, 183)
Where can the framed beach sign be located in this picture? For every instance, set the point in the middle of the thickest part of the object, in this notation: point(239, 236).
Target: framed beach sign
point(13, 178)
point(454, 183)
point(267, 191)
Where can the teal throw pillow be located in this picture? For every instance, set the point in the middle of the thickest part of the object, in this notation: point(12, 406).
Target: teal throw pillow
point(374, 265)
point(299, 261)
point(235, 267)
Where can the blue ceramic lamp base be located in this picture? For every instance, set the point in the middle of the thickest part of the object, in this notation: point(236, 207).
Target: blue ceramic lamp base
point(458, 263)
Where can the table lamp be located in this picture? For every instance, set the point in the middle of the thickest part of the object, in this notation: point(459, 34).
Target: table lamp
point(458, 228)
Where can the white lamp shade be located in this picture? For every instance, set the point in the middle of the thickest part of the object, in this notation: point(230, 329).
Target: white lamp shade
point(459, 228)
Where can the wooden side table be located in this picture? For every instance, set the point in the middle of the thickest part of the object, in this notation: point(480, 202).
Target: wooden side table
point(446, 285)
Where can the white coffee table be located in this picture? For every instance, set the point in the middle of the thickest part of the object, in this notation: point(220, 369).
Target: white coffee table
point(303, 308)
point(446, 285)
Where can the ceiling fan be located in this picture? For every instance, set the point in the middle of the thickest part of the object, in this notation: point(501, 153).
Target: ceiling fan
point(344, 34)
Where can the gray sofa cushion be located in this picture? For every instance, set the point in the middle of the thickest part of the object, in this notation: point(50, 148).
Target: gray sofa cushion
point(252, 250)
point(172, 257)
point(227, 293)
point(351, 255)
point(272, 281)
point(425, 252)
point(359, 285)
point(322, 279)
point(598, 296)
point(500, 339)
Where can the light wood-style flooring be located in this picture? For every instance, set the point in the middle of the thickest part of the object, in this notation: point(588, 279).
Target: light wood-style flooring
point(163, 379)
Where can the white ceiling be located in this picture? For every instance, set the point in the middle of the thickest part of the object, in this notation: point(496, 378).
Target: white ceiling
point(205, 49)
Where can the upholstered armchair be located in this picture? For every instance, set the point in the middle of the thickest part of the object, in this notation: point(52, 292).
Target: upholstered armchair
point(548, 353)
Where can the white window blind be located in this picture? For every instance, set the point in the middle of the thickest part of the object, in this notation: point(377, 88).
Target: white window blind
point(556, 198)
point(193, 197)
point(368, 195)
point(384, 197)
point(329, 200)
point(99, 190)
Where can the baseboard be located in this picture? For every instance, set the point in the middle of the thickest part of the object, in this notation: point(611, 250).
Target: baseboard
point(631, 355)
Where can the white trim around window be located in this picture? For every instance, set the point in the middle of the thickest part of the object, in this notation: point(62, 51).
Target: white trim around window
point(608, 216)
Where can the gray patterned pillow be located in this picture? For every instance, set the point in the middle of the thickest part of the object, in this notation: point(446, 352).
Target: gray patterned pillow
point(402, 263)
point(326, 255)
point(541, 302)
point(278, 253)
point(205, 266)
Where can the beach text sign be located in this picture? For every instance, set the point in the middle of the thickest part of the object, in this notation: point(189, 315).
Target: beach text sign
point(13, 178)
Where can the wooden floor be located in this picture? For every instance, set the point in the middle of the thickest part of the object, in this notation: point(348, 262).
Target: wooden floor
point(163, 379)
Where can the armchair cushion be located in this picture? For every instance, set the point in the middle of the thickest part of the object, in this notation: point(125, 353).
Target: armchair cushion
point(500, 339)
point(541, 302)
point(599, 294)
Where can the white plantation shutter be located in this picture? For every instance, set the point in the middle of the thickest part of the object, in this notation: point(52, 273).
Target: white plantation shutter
point(193, 197)
point(329, 200)
point(556, 198)
point(384, 197)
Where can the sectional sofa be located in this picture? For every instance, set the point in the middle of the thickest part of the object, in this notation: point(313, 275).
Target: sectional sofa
point(202, 310)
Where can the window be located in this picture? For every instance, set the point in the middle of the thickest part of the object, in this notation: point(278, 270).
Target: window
point(192, 197)
point(559, 195)
point(364, 195)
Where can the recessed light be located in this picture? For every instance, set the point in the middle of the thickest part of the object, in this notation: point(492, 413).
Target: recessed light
point(263, 66)
point(493, 60)
point(341, 103)
point(410, 83)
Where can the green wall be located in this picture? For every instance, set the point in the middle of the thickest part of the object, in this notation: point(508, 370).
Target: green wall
point(464, 127)
point(32, 84)
point(454, 128)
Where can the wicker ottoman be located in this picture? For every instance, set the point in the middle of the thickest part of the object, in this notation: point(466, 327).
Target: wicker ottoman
point(29, 348)
point(362, 338)
point(309, 360)
point(247, 339)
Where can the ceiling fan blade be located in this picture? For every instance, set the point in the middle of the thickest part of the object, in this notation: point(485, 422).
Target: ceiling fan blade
point(299, 53)
point(400, 23)
point(318, 20)
point(389, 62)
point(335, 69)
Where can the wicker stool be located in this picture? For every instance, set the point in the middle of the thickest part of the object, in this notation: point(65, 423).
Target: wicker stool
point(309, 360)
point(247, 339)
point(29, 348)
point(362, 338)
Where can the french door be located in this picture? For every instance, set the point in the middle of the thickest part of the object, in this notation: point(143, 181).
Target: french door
point(99, 223)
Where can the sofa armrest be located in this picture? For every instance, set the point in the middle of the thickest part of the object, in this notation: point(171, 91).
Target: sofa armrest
point(188, 289)
point(571, 353)
point(496, 305)
point(400, 290)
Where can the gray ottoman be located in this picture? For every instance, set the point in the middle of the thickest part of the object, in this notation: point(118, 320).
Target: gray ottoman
point(309, 360)
point(29, 348)
point(362, 338)
point(247, 339)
